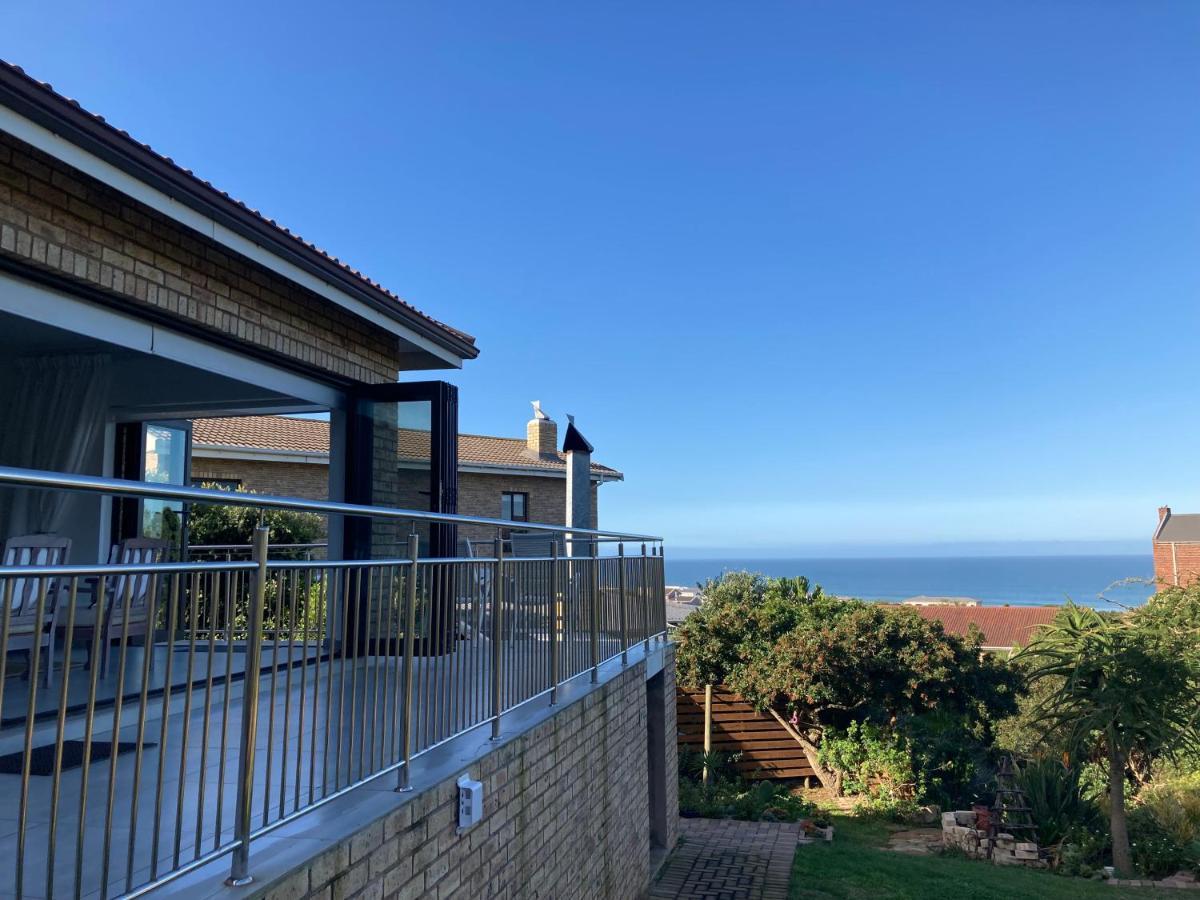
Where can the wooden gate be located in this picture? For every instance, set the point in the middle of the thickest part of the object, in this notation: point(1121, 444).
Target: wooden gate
point(767, 750)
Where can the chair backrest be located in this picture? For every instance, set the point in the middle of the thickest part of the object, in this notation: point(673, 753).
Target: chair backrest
point(135, 552)
point(535, 544)
point(32, 550)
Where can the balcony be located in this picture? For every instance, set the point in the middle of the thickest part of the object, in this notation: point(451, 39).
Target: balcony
point(248, 688)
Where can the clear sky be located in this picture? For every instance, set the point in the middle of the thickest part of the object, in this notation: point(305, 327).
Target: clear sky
point(816, 276)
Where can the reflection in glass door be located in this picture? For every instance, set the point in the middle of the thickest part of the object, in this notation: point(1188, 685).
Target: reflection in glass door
point(160, 453)
point(165, 461)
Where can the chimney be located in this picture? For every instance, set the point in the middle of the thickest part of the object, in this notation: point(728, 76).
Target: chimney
point(579, 484)
point(1163, 512)
point(541, 434)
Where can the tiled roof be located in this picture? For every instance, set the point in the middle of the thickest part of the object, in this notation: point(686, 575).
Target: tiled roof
point(494, 451)
point(63, 105)
point(263, 433)
point(1182, 528)
point(286, 433)
point(1001, 626)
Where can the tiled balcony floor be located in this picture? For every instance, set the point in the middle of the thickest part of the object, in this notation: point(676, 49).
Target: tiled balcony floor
point(190, 791)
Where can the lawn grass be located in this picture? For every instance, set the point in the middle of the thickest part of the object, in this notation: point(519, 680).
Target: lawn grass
point(856, 865)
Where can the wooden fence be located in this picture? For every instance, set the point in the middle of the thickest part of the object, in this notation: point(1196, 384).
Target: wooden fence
point(767, 750)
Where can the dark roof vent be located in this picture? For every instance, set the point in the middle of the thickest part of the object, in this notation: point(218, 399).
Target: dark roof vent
point(574, 441)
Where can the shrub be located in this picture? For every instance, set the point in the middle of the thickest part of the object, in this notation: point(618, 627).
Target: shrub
point(728, 795)
point(1174, 804)
point(887, 808)
point(873, 760)
point(1057, 801)
point(1082, 851)
point(1156, 852)
point(215, 524)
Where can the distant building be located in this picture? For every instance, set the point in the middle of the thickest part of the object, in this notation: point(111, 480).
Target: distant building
point(1176, 548)
point(1004, 628)
point(498, 477)
point(923, 600)
point(681, 603)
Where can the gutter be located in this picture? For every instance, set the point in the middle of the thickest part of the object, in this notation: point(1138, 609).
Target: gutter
point(316, 457)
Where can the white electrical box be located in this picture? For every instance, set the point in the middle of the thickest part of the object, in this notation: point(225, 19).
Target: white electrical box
point(470, 802)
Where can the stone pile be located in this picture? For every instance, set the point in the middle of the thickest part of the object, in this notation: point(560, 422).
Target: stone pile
point(959, 830)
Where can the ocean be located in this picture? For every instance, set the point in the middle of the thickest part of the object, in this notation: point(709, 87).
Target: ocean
point(993, 580)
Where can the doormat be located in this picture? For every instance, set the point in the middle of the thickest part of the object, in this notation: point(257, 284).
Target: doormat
point(42, 759)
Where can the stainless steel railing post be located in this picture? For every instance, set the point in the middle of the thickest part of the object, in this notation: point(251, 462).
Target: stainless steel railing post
point(555, 591)
point(497, 637)
point(239, 873)
point(646, 594)
point(595, 612)
point(410, 626)
point(622, 602)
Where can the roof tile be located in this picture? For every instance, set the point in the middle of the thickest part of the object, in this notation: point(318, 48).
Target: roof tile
point(1001, 626)
point(289, 433)
point(201, 183)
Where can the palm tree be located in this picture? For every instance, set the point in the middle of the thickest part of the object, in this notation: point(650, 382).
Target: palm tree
point(1128, 689)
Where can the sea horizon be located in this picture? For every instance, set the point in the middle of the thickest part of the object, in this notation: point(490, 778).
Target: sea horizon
point(1101, 580)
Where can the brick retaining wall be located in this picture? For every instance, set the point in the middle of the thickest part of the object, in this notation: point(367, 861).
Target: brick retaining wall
point(566, 815)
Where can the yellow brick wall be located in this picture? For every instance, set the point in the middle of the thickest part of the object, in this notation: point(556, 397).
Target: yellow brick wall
point(566, 816)
point(60, 220)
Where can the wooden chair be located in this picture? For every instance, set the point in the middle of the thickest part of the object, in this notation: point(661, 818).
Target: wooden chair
point(33, 550)
point(126, 596)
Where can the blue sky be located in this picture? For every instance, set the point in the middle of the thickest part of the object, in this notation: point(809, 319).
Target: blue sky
point(818, 277)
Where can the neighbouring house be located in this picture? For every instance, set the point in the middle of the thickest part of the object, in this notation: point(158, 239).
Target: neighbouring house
point(522, 480)
point(1003, 628)
point(389, 721)
point(1176, 548)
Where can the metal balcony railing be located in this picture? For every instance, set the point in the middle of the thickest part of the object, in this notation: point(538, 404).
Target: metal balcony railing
point(200, 705)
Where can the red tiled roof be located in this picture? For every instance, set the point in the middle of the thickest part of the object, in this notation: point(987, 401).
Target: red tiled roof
point(1001, 626)
point(287, 433)
point(65, 105)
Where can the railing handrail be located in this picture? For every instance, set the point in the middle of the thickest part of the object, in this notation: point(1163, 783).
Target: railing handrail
point(104, 569)
point(37, 478)
point(275, 546)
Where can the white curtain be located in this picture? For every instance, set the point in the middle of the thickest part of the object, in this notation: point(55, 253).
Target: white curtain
point(56, 407)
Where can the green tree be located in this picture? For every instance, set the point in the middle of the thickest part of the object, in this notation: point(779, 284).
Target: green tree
point(818, 662)
point(1126, 689)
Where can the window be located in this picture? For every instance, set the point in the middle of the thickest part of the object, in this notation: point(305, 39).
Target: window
point(514, 506)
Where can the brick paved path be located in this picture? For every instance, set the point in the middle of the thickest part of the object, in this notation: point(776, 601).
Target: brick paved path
point(717, 859)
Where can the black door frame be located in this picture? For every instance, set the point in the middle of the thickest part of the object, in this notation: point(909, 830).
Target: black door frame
point(443, 462)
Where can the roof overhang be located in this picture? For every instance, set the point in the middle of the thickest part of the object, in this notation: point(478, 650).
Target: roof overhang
point(33, 114)
point(317, 458)
point(257, 454)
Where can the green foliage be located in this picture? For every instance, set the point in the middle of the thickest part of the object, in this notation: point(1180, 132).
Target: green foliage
point(828, 664)
point(1057, 799)
point(1024, 734)
point(1125, 689)
point(1173, 803)
point(1156, 851)
point(219, 524)
point(874, 760)
point(729, 796)
point(885, 808)
point(1083, 851)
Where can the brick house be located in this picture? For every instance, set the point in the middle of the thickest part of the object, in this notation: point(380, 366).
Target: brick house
point(498, 477)
point(137, 298)
point(1176, 548)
